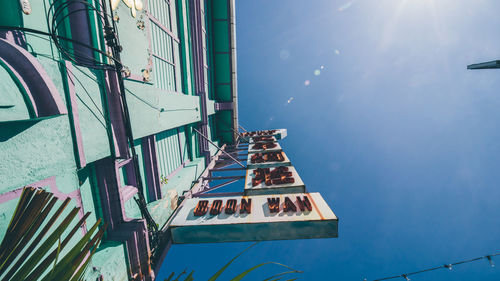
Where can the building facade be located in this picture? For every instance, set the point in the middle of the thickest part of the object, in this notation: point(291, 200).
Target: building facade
point(119, 105)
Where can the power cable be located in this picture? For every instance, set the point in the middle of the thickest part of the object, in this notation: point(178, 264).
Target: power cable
point(448, 266)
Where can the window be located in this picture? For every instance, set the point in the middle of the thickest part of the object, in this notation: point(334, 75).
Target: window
point(165, 44)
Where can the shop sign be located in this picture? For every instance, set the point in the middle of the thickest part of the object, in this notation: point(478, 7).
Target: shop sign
point(264, 147)
point(267, 159)
point(277, 133)
point(274, 180)
point(262, 139)
point(253, 218)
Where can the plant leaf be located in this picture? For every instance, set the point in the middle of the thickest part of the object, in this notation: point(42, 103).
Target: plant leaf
point(282, 273)
point(25, 238)
point(68, 262)
point(45, 247)
point(170, 277)
point(40, 269)
point(243, 274)
point(218, 273)
point(190, 276)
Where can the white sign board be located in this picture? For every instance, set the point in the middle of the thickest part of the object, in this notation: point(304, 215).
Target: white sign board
point(275, 180)
point(253, 218)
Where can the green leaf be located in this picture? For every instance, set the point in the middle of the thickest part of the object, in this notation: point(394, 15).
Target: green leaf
point(68, 262)
point(190, 276)
point(282, 273)
point(33, 208)
point(246, 272)
point(28, 212)
point(170, 277)
point(45, 247)
point(24, 239)
point(83, 267)
point(218, 273)
point(40, 269)
point(179, 276)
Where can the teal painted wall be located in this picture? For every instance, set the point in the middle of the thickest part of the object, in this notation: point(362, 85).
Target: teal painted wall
point(110, 262)
point(13, 104)
point(153, 110)
point(36, 149)
point(168, 152)
point(91, 112)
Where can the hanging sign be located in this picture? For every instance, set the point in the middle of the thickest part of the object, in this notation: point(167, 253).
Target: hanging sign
point(264, 147)
point(277, 180)
point(262, 139)
point(267, 159)
point(277, 133)
point(253, 218)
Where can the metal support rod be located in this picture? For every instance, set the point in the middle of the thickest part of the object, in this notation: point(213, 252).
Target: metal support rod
point(234, 159)
point(241, 127)
point(218, 194)
point(215, 187)
point(228, 169)
point(243, 157)
point(224, 178)
point(237, 149)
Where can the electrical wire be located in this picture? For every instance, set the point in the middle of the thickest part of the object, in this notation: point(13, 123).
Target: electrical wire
point(57, 13)
point(445, 266)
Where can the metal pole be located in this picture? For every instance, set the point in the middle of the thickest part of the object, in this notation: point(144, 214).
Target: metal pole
point(232, 158)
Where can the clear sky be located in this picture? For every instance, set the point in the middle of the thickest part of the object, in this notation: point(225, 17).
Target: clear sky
point(386, 123)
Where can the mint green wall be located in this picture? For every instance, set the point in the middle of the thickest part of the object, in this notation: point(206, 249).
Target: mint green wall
point(6, 211)
point(37, 20)
point(140, 159)
point(153, 110)
point(168, 152)
point(134, 40)
point(12, 103)
point(186, 56)
point(91, 112)
point(185, 145)
point(90, 194)
point(210, 107)
point(109, 261)
point(32, 151)
point(162, 209)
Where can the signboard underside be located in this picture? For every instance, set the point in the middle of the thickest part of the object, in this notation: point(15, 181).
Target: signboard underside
point(287, 216)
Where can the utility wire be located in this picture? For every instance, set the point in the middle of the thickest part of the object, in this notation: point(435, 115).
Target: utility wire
point(449, 266)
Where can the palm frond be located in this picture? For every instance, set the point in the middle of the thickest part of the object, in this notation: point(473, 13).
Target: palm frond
point(246, 272)
point(24, 252)
point(218, 273)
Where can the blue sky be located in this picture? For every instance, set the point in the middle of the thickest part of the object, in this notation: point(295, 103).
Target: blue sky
point(400, 139)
